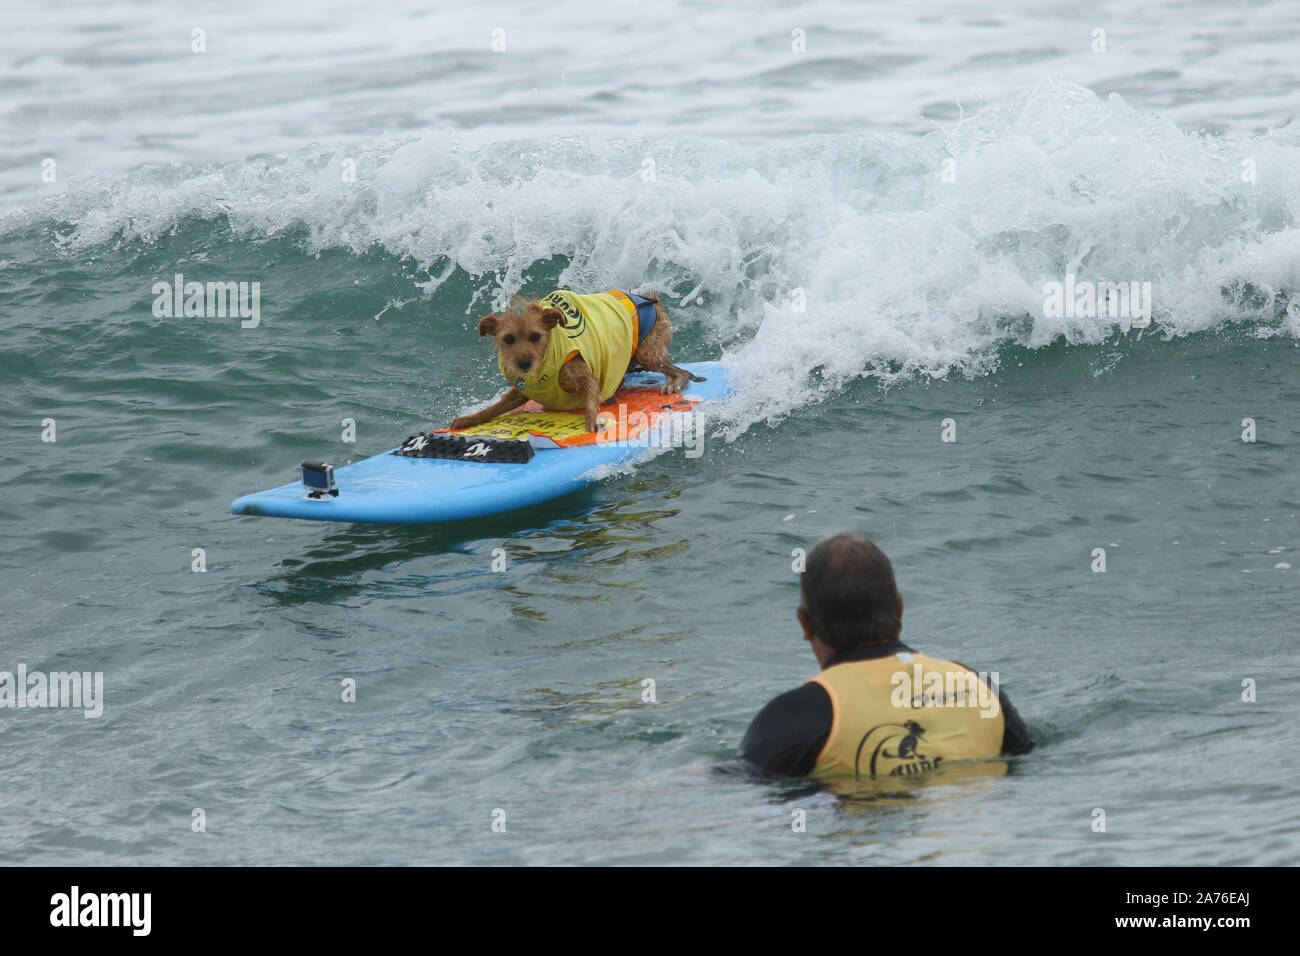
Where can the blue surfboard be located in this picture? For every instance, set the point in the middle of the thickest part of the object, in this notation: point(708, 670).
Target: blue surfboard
point(400, 487)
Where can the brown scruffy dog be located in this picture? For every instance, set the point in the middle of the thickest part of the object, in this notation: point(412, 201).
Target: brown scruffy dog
point(570, 351)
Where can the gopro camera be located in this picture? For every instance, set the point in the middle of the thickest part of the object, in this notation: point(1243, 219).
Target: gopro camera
point(318, 479)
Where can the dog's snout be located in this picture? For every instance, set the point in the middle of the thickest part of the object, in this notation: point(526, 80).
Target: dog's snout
point(525, 364)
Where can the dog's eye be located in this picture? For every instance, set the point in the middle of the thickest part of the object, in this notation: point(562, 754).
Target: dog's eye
point(536, 337)
point(509, 340)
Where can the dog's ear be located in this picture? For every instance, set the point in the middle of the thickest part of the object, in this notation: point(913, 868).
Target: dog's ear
point(552, 317)
point(488, 325)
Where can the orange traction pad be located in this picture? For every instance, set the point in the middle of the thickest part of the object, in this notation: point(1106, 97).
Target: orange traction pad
point(636, 409)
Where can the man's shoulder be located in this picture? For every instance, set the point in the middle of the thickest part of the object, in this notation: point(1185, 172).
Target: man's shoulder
point(786, 736)
point(810, 692)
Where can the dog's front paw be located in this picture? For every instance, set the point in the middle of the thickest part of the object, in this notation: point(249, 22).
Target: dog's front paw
point(465, 421)
point(593, 422)
point(671, 387)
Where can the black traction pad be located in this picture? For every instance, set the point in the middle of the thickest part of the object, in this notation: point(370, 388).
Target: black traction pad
point(496, 451)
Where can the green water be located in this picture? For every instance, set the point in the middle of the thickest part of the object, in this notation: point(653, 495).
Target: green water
point(522, 690)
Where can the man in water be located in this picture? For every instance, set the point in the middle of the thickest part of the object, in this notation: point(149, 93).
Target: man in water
point(878, 708)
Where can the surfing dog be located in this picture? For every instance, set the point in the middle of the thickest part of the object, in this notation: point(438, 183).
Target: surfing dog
point(570, 351)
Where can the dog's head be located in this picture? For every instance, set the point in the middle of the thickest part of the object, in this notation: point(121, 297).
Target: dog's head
point(522, 334)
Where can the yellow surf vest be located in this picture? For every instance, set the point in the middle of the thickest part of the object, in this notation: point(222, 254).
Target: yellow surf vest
point(906, 714)
point(602, 328)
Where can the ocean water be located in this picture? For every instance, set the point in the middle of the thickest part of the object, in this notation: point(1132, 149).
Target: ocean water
point(862, 231)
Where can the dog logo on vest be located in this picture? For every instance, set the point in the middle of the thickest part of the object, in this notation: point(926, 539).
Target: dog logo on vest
point(904, 738)
point(574, 321)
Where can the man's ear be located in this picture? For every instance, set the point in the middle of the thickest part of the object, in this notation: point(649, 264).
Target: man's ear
point(488, 325)
point(552, 317)
point(804, 622)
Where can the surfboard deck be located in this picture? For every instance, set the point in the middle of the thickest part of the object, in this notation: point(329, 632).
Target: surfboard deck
point(393, 489)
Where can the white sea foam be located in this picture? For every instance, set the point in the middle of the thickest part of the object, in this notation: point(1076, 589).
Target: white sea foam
point(106, 88)
point(902, 271)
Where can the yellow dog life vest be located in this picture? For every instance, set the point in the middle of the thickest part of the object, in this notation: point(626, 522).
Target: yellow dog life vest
point(888, 726)
point(602, 328)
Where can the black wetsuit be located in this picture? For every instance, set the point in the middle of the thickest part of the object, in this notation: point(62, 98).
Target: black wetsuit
point(788, 734)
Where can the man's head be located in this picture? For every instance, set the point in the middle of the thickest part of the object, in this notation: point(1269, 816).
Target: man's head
point(848, 597)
